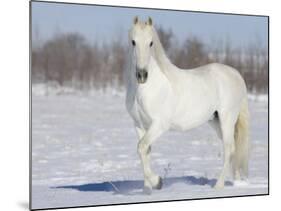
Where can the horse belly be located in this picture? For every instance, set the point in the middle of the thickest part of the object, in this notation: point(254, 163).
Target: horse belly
point(193, 114)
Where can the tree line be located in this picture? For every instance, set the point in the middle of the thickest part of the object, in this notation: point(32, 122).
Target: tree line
point(70, 60)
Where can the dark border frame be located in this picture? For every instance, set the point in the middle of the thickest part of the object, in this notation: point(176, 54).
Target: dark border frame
point(146, 202)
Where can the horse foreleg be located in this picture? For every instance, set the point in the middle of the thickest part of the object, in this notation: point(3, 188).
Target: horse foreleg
point(151, 180)
point(141, 132)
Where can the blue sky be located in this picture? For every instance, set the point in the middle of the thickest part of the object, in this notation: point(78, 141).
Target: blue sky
point(102, 24)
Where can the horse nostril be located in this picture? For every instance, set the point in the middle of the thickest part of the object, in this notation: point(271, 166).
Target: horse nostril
point(145, 75)
point(141, 75)
point(138, 74)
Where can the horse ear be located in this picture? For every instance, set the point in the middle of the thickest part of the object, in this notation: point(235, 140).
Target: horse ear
point(149, 21)
point(136, 19)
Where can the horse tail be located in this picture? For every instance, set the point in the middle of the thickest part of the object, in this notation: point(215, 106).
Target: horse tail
point(241, 136)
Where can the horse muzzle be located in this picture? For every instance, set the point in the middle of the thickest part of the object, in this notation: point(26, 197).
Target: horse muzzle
point(141, 75)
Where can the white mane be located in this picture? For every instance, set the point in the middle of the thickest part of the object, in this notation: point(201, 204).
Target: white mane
point(166, 66)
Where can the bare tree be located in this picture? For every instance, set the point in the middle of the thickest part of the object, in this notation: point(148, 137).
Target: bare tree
point(69, 59)
point(192, 54)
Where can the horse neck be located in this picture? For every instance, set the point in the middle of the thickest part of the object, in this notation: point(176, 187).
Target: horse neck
point(161, 58)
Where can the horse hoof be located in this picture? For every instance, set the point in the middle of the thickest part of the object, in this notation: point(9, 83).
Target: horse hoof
point(159, 185)
point(147, 190)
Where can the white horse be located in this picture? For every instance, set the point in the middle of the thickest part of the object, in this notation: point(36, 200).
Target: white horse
point(160, 97)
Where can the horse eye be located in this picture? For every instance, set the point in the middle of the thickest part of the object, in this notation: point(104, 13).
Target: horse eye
point(133, 42)
point(151, 43)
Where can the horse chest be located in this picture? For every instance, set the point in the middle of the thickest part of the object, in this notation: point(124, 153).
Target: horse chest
point(148, 106)
point(141, 113)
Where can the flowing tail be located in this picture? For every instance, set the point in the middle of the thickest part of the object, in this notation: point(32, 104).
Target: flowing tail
point(241, 154)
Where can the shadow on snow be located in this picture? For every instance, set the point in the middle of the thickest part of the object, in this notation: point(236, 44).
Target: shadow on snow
point(135, 186)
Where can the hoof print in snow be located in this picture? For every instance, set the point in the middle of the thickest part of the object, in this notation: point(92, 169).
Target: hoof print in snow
point(147, 190)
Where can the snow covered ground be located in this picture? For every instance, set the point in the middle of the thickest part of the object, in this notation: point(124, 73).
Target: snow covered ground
point(84, 152)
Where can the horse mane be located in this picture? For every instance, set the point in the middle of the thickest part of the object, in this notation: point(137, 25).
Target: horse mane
point(166, 66)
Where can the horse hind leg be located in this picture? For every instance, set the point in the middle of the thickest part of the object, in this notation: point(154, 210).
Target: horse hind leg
point(215, 124)
point(227, 123)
